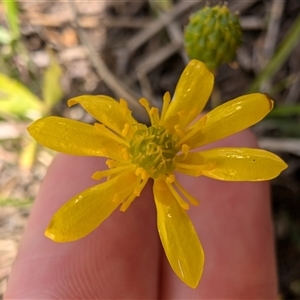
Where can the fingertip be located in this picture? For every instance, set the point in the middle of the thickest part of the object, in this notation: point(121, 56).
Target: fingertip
point(234, 226)
point(116, 253)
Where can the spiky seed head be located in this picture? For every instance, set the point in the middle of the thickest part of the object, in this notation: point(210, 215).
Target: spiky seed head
point(213, 35)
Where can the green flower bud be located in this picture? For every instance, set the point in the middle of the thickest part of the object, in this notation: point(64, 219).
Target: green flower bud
point(212, 35)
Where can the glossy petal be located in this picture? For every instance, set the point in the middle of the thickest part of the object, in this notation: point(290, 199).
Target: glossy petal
point(87, 210)
point(178, 236)
point(191, 94)
point(231, 117)
point(237, 164)
point(73, 137)
point(106, 110)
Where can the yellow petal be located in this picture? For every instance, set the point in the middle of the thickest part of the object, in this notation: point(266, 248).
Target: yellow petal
point(230, 117)
point(106, 110)
point(237, 164)
point(87, 210)
point(178, 236)
point(73, 137)
point(191, 94)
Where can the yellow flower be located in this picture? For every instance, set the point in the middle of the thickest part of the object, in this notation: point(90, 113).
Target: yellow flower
point(137, 152)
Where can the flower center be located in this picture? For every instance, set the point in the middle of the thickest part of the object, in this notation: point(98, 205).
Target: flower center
point(153, 149)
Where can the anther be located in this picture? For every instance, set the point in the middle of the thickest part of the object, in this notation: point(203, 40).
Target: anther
point(124, 106)
point(170, 178)
point(125, 130)
point(166, 102)
point(185, 150)
point(125, 154)
point(110, 163)
point(179, 131)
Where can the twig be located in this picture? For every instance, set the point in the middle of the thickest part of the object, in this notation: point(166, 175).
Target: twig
point(150, 63)
point(252, 23)
point(164, 19)
point(241, 5)
point(124, 22)
point(106, 75)
point(176, 36)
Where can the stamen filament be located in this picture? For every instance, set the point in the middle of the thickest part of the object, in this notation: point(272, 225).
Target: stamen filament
point(170, 178)
point(105, 131)
point(188, 196)
point(180, 201)
point(136, 193)
point(166, 102)
point(203, 167)
point(195, 128)
point(193, 170)
point(125, 154)
point(141, 172)
point(144, 102)
point(125, 130)
point(185, 150)
point(155, 114)
point(115, 164)
point(179, 131)
point(101, 174)
point(124, 107)
point(121, 196)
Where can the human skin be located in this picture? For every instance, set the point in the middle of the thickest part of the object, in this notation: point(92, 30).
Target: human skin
point(123, 258)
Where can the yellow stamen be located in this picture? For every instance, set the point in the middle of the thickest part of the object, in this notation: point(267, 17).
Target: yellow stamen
point(124, 107)
point(119, 197)
point(166, 102)
point(170, 178)
point(180, 201)
point(125, 154)
point(101, 174)
point(188, 196)
point(141, 172)
point(125, 130)
point(198, 169)
point(136, 193)
point(179, 131)
point(140, 187)
point(185, 150)
point(155, 115)
point(195, 128)
point(144, 102)
point(106, 132)
point(127, 203)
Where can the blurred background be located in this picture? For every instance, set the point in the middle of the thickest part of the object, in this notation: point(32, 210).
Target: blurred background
point(51, 51)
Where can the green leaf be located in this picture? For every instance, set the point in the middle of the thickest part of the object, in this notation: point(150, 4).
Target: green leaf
point(17, 101)
point(51, 89)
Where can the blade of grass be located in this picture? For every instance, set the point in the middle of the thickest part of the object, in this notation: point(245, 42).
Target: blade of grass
point(15, 202)
point(17, 101)
point(51, 87)
point(285, 111)
point(284, 50)
point(12, 15)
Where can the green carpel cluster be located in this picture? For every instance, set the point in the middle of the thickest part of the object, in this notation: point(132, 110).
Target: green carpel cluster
point(153, 149)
